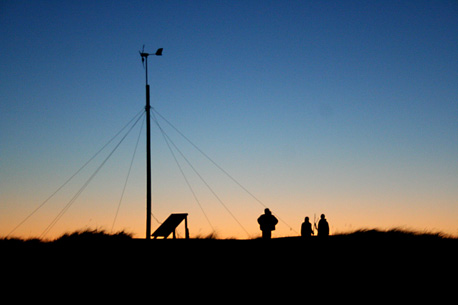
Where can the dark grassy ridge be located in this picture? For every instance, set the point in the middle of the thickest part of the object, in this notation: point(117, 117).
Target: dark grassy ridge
point(365, 261)
point(362, 235)
point(351, 245)
point(94, 235)
point(395, 234)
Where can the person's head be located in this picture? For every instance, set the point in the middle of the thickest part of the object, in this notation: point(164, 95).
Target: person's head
point(322, 216)
point(267, 211)
point(306, 219)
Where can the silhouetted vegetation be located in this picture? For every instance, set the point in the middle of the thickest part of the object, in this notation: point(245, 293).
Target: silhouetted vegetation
point(94, 235)
point(19, 241)
point(80, 235)
point(395, 234)
point(358, 250)
point(211, 236)
point(363, 235)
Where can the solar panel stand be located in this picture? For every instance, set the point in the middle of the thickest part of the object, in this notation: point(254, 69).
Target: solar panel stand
point(185, 227)
point(170, 224)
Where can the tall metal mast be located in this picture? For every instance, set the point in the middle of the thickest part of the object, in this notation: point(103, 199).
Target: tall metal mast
point(148, 141)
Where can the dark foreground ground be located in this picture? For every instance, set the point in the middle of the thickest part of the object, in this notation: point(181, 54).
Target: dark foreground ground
point(369, 266)
point(368, 246)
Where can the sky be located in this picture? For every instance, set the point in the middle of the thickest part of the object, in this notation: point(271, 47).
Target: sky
point(347, 108)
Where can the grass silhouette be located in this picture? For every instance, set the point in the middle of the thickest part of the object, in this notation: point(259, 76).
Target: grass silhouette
point(94, 235)
point(394, 234)
point(357, 260)
point(358, 251)
point(87, 235)
point(360, 235)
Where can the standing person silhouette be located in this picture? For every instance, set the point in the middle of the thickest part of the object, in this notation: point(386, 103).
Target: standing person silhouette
point(267, 223)
point(323, 227)
point(306, 228)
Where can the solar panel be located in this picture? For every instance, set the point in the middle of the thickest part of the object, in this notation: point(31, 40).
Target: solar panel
point(169, 225)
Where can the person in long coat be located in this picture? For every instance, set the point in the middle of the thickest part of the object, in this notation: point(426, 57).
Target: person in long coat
point(306, 228)
point(323, 227)
point(267, 223)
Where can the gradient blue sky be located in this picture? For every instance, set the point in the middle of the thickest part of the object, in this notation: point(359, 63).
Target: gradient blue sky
point(348, 108)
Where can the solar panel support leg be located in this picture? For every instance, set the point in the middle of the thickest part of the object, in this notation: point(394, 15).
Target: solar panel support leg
point(186, 227)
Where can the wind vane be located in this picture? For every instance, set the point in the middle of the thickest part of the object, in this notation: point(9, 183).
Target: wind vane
point(145, 56)
point(148, 140)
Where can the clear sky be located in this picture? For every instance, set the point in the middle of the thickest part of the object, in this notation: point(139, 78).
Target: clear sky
point(348, 108)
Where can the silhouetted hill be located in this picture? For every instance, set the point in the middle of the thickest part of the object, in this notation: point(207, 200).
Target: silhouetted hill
point(351, 245)
point(95, 235)
point(362, 237)
point(358, 262)
point(394, 235)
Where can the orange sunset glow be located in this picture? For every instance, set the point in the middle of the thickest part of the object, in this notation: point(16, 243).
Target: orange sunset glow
point(342, 108)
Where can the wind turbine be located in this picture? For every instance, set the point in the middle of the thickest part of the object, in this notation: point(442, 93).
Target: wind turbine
point(144, 57)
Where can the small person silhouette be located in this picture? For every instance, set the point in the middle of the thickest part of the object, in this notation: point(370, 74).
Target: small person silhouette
point(306, 228)
point(323, 227)
point(267, 223)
